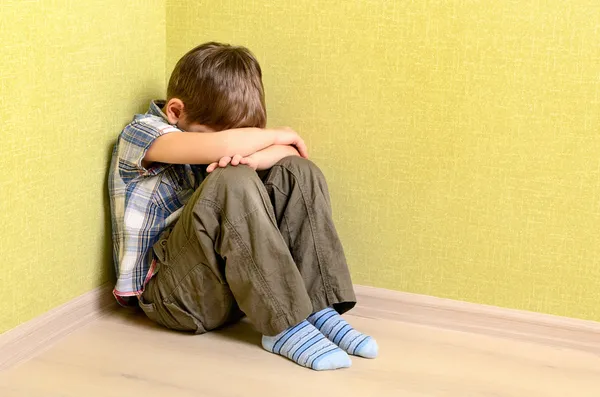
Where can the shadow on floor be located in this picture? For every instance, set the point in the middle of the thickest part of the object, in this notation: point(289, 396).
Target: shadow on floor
point(241, 331)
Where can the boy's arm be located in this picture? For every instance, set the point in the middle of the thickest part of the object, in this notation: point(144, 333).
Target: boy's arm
point(268, 157)
point(261, 160)
point(208, 147)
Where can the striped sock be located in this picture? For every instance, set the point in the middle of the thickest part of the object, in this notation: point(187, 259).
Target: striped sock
point(337, 330)
point(305, 345)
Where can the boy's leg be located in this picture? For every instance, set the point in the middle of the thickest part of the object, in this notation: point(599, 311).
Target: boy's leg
point(300, 198)
point(225, 250)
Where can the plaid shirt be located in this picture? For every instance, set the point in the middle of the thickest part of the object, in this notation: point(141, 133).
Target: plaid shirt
point(144, 202)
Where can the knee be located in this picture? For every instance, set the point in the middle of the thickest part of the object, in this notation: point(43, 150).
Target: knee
point(234, 191)
point(239, 177)
point(301, 166)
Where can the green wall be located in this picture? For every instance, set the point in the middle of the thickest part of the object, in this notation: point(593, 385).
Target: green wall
point(460, 138)
point(71, 75)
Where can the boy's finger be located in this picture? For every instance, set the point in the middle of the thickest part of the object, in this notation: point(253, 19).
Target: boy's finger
point(224, 161)
point(211, 167)
point(236, 159)
point(302, 149)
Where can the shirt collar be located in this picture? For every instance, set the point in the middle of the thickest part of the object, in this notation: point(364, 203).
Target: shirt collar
point(156, 108)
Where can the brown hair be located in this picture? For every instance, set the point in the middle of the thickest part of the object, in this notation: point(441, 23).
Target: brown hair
point(220, 86)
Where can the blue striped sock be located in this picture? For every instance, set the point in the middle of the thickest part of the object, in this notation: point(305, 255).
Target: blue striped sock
point(305, 345)
point(337, 330)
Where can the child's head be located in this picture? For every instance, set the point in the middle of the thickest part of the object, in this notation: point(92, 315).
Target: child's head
point(216, 86)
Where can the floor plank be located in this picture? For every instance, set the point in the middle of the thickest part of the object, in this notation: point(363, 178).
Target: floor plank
point(123, 354)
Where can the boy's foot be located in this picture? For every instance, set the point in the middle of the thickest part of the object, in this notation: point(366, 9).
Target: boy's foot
point(337, 330)
point(305, 345)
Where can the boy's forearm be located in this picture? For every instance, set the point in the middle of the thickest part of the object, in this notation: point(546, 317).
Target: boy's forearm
point(268, 157)
point(207, 147)
point(244, 142)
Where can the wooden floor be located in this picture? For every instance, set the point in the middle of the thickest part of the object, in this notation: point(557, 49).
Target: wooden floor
point(123, 354)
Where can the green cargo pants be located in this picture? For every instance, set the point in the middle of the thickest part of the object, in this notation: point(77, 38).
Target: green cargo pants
point(263, 246)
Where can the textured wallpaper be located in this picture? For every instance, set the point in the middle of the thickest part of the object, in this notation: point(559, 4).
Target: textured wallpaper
point(72, 73)
point(461, 139)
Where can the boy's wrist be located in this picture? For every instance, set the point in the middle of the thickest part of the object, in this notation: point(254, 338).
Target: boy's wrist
point(270, 156)
point(283, 136)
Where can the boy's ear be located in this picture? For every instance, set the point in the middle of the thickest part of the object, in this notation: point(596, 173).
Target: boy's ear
point(174, 110)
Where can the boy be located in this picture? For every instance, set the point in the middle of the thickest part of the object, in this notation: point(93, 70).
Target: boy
point(198, 247)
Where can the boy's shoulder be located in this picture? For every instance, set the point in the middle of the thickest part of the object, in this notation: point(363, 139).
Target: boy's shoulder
point(133, 142)
point(148, 126)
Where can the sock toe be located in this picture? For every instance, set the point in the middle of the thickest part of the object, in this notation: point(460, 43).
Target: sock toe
point(337, 359)
point(337, 330)
point(368, 349)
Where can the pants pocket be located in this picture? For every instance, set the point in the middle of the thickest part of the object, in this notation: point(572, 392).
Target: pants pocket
point(167, 313)
point(149, 309)
point(174, 317)
point(200, 300)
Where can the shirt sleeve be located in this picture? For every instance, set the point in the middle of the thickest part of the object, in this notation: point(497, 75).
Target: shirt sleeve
point(135, 140)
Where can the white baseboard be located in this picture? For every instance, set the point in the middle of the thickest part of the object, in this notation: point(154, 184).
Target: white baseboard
point(476, 318)
point(35, 336)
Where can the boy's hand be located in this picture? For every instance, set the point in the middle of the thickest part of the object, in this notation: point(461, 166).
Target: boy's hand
point(267, 158)
point(287, 143)
point(251, 161)
point(261, 160)
point(289, 137)
point(222, 163)
point(225, 161)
